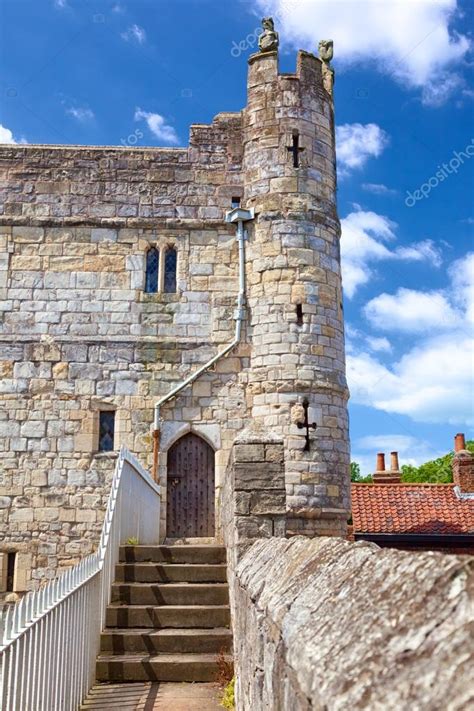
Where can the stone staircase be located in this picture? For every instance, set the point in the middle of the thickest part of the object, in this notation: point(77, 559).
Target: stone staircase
point(169, 615)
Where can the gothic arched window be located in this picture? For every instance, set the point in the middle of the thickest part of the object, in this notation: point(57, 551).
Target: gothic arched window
point(169, 283)
point(152, 268)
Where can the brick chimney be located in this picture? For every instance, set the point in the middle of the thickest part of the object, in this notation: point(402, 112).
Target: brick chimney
point(383, 476)
point(463, 466)
point(395, 473)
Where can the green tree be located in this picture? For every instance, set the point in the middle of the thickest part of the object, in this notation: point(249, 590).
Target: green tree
point(357, 476)
point(436, 471)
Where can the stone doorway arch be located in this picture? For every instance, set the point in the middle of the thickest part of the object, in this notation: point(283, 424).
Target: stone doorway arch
point(190, 500)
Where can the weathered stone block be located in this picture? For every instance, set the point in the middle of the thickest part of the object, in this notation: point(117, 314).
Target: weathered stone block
point(33, 428)
point(274, 453)
point(242, 503)
point(249, 453)
point(267, 503)
point(250, 476)
point(100, 234)
point(254, 527)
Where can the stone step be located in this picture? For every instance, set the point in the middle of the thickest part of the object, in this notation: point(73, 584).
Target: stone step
point(148, 695)
point(170, 593)
point(170, 572)
point(168, 641)
point(160, 667)
point(175, 616)
point(204, 554)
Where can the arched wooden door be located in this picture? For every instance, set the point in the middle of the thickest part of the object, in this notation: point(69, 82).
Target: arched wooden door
point(190, 488)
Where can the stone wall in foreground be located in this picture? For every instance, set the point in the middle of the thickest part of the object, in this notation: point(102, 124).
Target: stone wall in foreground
point(326, 624)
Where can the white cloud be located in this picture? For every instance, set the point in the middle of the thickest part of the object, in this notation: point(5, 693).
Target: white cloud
point(387, 442)
point(355, 338)
point(412, 311)
point(6, 136)
point(356, 143)
point(362, 243)
point(410, 40)
point(436, 93)
point(461, 273)
point(158, 126)
point(80, 113)
point(134, 33)
point(424, 251)
point(378, 189)
point(379, 344)
point(433, 380)
point(430, 383)
point(60, 4)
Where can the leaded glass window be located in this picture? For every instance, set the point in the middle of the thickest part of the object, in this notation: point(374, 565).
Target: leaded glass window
point(169, 285)
point(106, 430)
point(152, 268)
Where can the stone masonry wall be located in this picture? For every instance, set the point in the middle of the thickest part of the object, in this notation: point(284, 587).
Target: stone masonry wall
point(78, 334)
point(327, 624)
point(253, 492)
point(72, 344)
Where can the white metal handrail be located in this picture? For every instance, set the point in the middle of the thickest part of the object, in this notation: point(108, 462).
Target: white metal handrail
point(49, 641)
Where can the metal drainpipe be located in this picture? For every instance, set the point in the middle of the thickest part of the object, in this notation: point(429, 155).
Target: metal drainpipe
point(237, 215)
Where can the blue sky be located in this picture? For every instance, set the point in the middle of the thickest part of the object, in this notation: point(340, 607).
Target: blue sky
point(138, 72)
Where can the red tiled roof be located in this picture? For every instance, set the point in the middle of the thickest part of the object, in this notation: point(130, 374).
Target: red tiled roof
point(410, 508)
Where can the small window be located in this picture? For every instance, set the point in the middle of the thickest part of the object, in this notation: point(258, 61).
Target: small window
point(235, 202)
point(11, 558)
point(152, 268)
point(106, 430)
point(169, 284)
point(299, 314)
point(295, 149)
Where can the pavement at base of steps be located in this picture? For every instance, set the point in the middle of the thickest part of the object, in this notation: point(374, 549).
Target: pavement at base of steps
point(151, 696)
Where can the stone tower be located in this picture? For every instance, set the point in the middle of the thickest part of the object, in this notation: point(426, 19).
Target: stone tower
point(297, 371)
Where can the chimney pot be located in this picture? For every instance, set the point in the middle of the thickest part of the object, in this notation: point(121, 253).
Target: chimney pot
point(459, 442)
point(394, 462)
point(391, 476)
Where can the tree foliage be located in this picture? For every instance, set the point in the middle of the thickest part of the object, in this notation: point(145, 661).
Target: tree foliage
point(357, 476)
point(436, 471)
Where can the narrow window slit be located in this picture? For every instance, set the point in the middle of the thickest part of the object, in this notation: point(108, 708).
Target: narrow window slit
point(295, 149)
point(235, 202)
point(299, 314)
point(11, 559)
point(169, 286)
point(106, 430)
point(152, 268)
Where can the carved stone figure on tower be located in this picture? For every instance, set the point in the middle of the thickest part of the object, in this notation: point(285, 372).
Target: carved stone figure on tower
point(268, 40)
point(326, 53)
point(326, 50)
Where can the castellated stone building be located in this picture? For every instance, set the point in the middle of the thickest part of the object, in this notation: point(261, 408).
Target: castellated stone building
point(119, 279)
